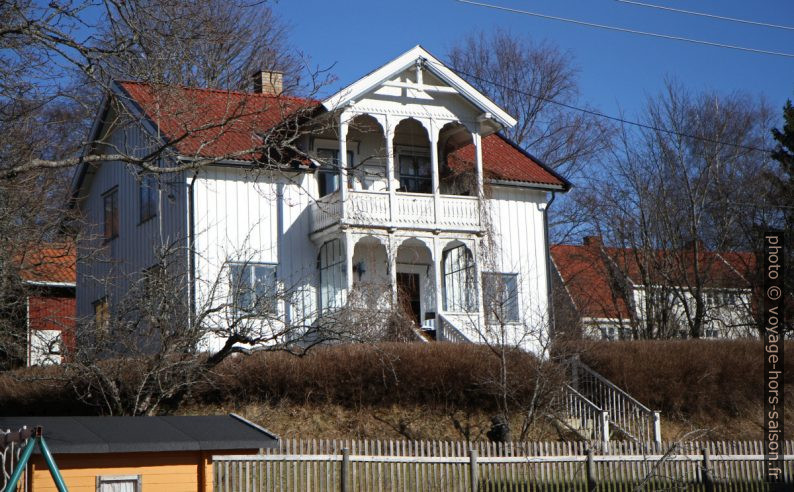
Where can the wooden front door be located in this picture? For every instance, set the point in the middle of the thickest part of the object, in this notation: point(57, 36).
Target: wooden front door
point(409, 295)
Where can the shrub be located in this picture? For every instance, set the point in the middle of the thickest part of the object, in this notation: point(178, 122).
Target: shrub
point(689, 378)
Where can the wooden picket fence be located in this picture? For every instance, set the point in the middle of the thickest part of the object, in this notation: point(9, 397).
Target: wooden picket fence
point(341, 465)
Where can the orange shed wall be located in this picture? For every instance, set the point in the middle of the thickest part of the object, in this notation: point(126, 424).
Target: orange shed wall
point(166, 472)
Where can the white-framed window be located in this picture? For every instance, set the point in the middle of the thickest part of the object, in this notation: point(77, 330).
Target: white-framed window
point(253, 288)
point(118, 483)
point(333, 274)
point(328, 176)
point(415, 173)
point(147, 197)
point(459, 285)
point(500, 297)
point(45, 347)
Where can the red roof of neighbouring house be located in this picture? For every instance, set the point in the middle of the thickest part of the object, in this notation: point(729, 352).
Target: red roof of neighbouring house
point(49, 263)
point(585, 275)
point(503, 160)
point(218, 123)
point(589, 273)
point(679, 267)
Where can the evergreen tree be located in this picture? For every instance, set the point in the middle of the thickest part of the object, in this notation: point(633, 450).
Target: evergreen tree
point(782, 195)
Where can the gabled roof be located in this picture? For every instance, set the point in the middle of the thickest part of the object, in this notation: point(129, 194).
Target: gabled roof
point(503, 160)
point(209, 122)
point(372, 80)
point(146, 434)
point(232, 119)
point(54, 263)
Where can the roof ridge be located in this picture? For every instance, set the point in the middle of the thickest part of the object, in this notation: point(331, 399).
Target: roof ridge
point(218, 91)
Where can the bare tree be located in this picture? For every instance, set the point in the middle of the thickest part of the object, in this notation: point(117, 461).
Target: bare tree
point(69, 53)
point(678, 192)
point(534, 82)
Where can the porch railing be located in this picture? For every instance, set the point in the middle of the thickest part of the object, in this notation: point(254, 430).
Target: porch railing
point(447, 332)
point(413, 210)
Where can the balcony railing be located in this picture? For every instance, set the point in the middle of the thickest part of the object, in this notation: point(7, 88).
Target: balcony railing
point(411, 210)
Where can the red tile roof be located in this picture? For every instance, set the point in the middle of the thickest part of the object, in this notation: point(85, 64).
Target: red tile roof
point(215, 123)
point(53, 263)
point(504, 160)
point(679, 267)
point(585, 272)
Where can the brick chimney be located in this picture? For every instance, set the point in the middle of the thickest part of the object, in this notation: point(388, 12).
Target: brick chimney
point(269, 82)
point(593, 241)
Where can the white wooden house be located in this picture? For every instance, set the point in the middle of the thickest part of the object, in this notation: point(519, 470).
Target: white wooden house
point(433, 202)
point(612, 292)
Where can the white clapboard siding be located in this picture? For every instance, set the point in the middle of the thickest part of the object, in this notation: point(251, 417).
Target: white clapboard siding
point(387, 465)
point(105, 269)
point(516, 218)
point(256, 218)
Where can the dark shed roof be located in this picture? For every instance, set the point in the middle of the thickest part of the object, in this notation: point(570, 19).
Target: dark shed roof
point(146, 434)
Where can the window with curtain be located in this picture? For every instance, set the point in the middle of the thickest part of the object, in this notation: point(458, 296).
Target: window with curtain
point(118, 483)
point(500, 297)
point(331, 265)
point(460, 289)
point(253, 288)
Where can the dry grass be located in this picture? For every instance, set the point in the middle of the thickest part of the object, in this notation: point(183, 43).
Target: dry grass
point(329, 421)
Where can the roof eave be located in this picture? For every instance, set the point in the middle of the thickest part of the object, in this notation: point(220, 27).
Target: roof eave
point(526, 184)
point(566, 185)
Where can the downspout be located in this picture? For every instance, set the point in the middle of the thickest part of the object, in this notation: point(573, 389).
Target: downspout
point(191, 231)
point(550, 294)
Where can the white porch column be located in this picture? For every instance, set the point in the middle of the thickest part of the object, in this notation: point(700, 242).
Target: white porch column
point(389, 134)
point(478, 283)
point(343, 127)
point(478, 160)
point(392, 258)
point(434, 130)
point(349, 248)
point(437, 267)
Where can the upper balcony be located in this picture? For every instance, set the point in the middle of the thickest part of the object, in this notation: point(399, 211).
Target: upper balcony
point(379, 171)
point(404, 210)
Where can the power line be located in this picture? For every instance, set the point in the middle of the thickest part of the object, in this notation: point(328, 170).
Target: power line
point(624, 29)
point(609, 117)
point(704, 14)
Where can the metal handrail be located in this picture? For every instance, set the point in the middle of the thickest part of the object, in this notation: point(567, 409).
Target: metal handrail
point(612, 385)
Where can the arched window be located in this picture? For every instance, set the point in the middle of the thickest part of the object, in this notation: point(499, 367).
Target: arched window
point(460, 292)
point(331, 264)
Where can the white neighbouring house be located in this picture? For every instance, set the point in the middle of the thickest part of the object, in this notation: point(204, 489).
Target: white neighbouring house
point(434, 202)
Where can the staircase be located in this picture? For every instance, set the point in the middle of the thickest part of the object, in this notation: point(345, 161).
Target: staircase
point(595, 408)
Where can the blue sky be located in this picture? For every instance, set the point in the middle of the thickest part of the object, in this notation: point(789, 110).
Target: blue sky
point(617, 70)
